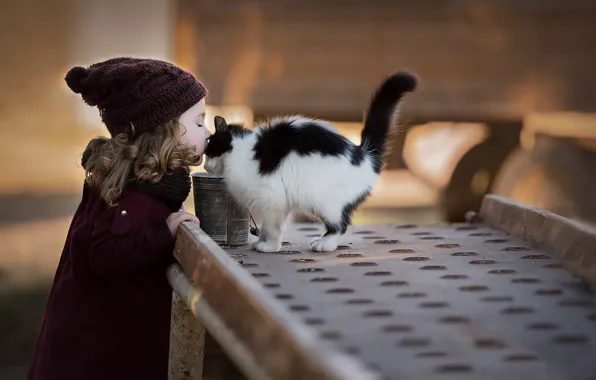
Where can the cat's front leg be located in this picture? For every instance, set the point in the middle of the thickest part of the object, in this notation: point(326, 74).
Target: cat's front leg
point(260, 239)
point(270, 237)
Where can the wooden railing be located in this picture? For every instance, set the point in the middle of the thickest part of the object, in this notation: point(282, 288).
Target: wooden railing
point(191, 315)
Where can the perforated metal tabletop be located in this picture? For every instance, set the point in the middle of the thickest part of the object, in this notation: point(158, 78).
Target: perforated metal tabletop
point(465, 301)
point(435, 302)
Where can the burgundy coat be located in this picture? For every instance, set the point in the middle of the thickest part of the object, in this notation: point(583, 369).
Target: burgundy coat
point(108, 312)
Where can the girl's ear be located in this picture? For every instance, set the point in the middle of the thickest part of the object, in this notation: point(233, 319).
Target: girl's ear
point(220, 124)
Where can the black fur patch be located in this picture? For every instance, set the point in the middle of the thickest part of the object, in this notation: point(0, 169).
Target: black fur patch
point(346, 216)
point(357, 156)
point(221, 142)
point(332, 229)
point(286, 136)
point(348, 210)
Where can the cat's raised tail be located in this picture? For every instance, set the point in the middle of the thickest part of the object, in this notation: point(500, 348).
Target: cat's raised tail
point(380, 116)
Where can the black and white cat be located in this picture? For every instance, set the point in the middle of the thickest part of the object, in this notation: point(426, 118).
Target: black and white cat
point(296, 163)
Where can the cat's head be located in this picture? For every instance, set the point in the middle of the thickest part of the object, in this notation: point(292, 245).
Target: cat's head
point(220, 144)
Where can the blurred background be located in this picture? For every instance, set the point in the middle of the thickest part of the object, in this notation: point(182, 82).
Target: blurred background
point(506, 104)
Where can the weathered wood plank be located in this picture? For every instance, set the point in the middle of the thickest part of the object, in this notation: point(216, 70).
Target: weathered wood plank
point(573, 243)
point(321, 59)
point(187, 343)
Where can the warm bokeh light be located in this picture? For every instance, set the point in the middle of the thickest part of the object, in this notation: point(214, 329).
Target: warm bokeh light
point(433, 150)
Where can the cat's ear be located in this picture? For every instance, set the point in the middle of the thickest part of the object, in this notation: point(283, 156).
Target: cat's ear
point(220, 124)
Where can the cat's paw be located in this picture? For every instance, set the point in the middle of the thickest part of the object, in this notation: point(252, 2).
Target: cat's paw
point(254, 244)
point(324, 244)
point(266, 246)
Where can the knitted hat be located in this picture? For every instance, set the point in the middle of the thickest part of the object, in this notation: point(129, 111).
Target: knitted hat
point(144, 92)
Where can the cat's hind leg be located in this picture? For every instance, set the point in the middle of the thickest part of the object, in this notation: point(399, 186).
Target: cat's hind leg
point(332, 217)
point(336, 220)
point(329, 241)
point(274, 217)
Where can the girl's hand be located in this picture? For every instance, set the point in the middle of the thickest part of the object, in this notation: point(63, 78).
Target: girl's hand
point(173, 221)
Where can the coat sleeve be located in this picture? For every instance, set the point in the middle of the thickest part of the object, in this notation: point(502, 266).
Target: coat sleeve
point(127, 238)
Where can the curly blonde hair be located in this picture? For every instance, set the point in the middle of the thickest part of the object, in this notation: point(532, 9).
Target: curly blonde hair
point(108, 161)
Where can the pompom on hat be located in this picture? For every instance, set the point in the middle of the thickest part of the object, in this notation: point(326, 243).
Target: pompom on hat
point(143, 92)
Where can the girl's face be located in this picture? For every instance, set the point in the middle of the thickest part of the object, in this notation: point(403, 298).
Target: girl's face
point(194, 132)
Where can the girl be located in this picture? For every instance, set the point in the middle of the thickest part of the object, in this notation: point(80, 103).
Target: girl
point(108, 312)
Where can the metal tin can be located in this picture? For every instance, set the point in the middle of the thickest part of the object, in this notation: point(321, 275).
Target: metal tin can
point(222, 218)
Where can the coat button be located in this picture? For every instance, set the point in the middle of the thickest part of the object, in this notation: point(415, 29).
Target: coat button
point(123, 213)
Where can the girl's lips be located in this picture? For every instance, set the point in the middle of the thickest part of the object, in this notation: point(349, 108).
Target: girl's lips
point(200, 160)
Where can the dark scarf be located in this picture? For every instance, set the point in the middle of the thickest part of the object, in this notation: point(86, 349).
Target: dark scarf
point(172, 189)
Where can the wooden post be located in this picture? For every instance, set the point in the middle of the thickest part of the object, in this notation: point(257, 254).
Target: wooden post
point(187, 343)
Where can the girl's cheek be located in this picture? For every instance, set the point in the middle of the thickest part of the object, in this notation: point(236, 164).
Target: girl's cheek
point(207, 134)
point(200, 146)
